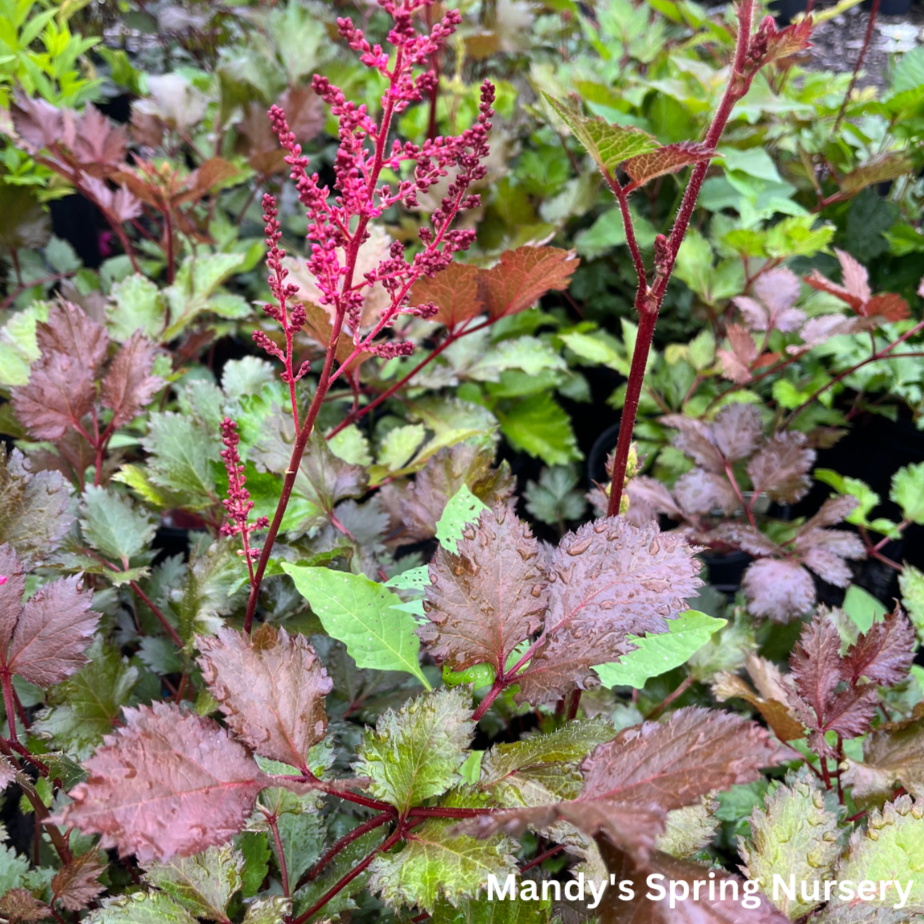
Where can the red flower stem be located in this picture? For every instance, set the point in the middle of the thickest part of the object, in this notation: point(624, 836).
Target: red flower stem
point(324, 382)
point(648, 300)
point(360, 868)
point(452, 337)
point(344, 842)
point(873, 13)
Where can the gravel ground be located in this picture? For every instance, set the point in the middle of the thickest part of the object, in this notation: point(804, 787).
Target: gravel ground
point(838, 42)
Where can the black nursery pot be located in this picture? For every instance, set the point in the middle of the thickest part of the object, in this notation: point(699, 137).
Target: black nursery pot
point(784, 11)
point(890, 7)
point(724, 571)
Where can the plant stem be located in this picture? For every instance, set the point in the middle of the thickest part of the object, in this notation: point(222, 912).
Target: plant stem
point(387, 844)
point(874, 11)
point(345, 841)
point(649, 298)
point(548, 854)
point(280, 854)
point(687, 683)
point(8, 703)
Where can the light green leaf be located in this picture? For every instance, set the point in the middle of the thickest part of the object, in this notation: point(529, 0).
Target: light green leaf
point(911, 581)
point(542, 769)
point(609, 145)
point(436, 864)
point(246, 376)
point(415, 753)
point(596, 348)
point(689, 829)
point(136, 477)
point(137, 305)
point(702, 350)
point(351, 445)
point(795, 834)
point(86, 706)
point(203, 884)
point(528, 354)
point(18, 345)
point(362, 615)
point(889, 847)
point(400, 444)
point(272, 910)
point(539, 426)
point(657, 654)
point(862, 608)
point(867, 498)
point(193, 286)
point(113, 525)
point(141, 908)
point(462, 508)
point(908, 491)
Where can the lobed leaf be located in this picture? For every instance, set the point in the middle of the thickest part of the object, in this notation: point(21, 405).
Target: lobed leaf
point(129, 385)
point(666, 159)
point(167, 783)
point(415, 753)
point(271, 689)
point(485, 600)
point(522, 276)
point(203, 884)
point(604, 568)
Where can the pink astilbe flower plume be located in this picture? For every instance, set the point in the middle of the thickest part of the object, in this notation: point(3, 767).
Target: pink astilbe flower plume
point(238, 503)
point(340, 221)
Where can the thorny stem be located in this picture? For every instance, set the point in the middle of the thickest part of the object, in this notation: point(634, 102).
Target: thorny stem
point(649, 298)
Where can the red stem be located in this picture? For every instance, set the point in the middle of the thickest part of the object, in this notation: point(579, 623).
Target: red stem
point(280, 854)
point(874, 11)
point(649, 299)
point(387, 844)
point(551, 852)
point(345, 841)
point(6, 681)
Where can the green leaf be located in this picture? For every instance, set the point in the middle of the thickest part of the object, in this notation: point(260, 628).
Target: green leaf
point(195, 282)
point(540, 427)
point(214, 586)
point(596, 349)
point(415, 753)
point(273, 910)
point(137, 305)
point(911, 581)
point(86, 706)
point(351, 445)
point(400, 444)
point(553, 499)
point(689, 830)
point(657, 654)
point(492, 911)
point(542, 769)
point(862, 608)
point(113, 525)
point(435, 864)
point(18, 345)
point(141, 908)
point(13, 869)
point(867, 498)
point(203, 884)
point(362, 614)
point(889, 847)
point(796, 835)
point(609, 145)
point(462, 508)
point(254, 847)
point(908, 491)
point(181, 454)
